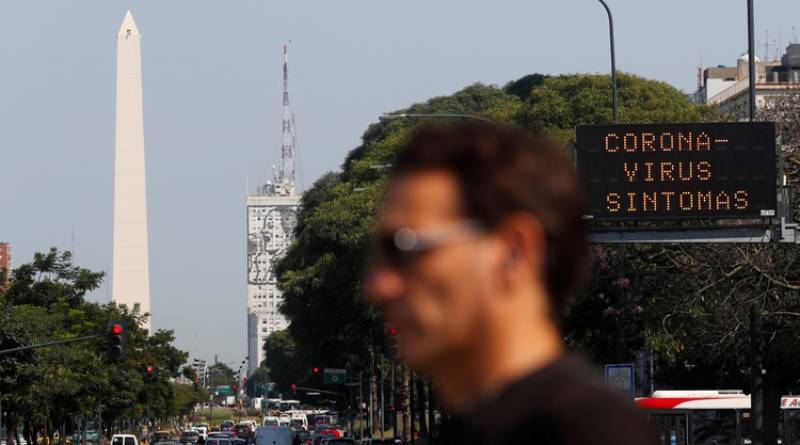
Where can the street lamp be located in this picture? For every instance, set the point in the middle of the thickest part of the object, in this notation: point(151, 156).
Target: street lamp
point(613, 62)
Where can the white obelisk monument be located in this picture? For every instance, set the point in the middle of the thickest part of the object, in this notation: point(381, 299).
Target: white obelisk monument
point(130, 280)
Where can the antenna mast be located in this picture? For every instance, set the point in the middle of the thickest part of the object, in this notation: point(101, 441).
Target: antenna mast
point(285, 178)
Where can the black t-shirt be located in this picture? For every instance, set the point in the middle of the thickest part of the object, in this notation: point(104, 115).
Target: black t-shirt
point(563, 403)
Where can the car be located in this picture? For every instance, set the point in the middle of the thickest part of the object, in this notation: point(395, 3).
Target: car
point(124, 439)
point(303, 436)
point(91, 435)
point(161, 436)
point(227, 425)
point(221, 435)
point(190, 437)
point(219, 441)
point(202, 431)
point(166, 442)
point(240, 441)
point(271, 421)
point(273, 436)
point(298, 423)
point(338, 441)
point(243, 430)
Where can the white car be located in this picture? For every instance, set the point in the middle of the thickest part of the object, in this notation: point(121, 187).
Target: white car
point(270, 421)
point(201, 431)
point(124, 439)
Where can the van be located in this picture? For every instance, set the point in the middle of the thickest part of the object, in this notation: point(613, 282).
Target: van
point(273, 436)
point(124, 439)
point(270, 421)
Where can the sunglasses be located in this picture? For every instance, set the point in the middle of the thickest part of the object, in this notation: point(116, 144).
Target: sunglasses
point(403, 247)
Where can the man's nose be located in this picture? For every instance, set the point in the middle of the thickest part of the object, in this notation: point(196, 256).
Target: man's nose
point(383, 284)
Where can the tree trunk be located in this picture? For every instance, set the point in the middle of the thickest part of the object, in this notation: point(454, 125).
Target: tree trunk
point(421, 397)
point(406, 398)
point(374, 402)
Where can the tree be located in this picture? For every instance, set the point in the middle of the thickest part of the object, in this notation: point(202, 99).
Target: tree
point(563, 102)
point(285, 367)
point(43, 389)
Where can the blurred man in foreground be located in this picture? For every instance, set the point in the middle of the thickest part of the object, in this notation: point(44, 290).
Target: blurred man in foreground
point(479, 244)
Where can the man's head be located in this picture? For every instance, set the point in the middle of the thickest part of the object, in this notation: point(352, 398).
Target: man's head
point(480, 224)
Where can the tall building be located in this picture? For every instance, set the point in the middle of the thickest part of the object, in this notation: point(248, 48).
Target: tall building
point(728, 87)
point(271, 218)
point(130, 279)
point(5, 265)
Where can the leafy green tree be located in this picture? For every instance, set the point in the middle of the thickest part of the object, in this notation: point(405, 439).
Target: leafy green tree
point(562, 102)
point(283, 361)
point(44, 389)
point(220, 374)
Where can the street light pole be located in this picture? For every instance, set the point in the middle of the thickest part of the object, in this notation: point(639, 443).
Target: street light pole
point(751, 59)
point(613, 61)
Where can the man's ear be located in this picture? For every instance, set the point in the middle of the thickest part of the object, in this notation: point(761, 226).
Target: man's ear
point(523, 240)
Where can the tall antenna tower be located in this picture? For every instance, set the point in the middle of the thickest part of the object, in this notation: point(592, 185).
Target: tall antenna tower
point(284, 177)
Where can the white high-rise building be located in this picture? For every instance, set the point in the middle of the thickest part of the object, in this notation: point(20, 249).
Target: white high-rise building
point(271, 219)
point(270, 225)
point(130, 278)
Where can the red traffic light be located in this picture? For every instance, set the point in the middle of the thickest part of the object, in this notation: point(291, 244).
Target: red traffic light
point(315, 370)
point(116, 329)
point(197, 381)
point(294, 387)
point(150, 369)
point(392, 331)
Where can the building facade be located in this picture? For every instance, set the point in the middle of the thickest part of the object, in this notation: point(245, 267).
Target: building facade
point(727, 87)
point(270, 227)
point(5, 265)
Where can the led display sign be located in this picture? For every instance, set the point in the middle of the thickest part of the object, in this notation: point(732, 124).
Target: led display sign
point(678, 171)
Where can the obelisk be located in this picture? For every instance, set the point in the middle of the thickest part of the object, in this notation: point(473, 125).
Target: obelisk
point(130, 280)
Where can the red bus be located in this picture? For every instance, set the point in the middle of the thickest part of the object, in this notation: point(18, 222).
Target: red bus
point(713, 417)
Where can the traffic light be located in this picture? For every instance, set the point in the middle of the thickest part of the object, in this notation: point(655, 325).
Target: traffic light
point(117, 340)
point(149, 372)
point(196, 383)
point(294, 388)
point(315, 371)
point(391, 340)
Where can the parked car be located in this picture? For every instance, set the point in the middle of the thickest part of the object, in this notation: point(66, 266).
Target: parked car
point(91, 435)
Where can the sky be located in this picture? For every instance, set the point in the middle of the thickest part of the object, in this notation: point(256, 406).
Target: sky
point(212, 104)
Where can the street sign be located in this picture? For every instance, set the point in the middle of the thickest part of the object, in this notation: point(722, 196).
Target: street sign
point(678, 171)
point(224, 390)
point(335, 376)
point(621, 377)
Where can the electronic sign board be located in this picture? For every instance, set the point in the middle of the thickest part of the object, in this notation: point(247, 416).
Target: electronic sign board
point(678, 171)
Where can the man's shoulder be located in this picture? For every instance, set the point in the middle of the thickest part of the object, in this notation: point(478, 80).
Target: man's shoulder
point(568, 400)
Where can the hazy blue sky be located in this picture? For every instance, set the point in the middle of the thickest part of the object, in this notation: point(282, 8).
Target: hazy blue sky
point(212, 108)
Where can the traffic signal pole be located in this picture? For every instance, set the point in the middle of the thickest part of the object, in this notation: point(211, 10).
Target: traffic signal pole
point(51, 343)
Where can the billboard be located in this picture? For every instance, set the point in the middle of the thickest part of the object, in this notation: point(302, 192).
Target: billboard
point(678, 171)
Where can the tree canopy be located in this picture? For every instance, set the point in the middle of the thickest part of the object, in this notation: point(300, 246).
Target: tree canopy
point(43, 388)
